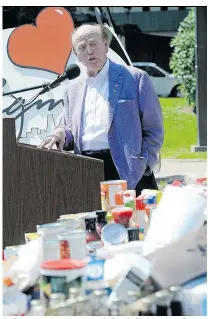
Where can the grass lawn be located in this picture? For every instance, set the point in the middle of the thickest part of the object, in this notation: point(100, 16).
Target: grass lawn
point(180, 130)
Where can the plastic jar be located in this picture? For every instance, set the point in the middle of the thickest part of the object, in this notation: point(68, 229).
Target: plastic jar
point(49, 236)
point(122, 215)
point(57, 276)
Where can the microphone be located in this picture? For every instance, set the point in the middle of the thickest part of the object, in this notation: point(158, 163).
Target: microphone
point(70, 73)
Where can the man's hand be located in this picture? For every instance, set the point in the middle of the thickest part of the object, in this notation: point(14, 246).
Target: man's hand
point(57, 136)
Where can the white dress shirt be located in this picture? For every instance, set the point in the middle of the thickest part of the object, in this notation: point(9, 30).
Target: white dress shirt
point(95, 116)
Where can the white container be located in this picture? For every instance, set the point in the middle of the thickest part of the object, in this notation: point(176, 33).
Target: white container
point(132, 279)
point(49, 237)
point(76, 242)
point(140, 220)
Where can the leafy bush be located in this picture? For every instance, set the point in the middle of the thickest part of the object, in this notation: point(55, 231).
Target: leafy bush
point(182, 60)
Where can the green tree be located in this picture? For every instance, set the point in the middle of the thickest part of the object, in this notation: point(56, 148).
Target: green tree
point(182, 61)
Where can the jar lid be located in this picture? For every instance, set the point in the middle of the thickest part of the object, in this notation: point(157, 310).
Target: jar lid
point(101, 212)
point(90, 219)
point(49, 225)
point(71, 233)
point(114, 234)
point(122, 209)
point(63, 264)
point(50, 228)
point(130, 229)
point(119, 181)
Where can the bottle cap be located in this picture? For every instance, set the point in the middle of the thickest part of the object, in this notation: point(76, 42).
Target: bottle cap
point(101, 213)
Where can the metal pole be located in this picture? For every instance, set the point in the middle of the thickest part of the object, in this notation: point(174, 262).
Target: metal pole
point(201, 76)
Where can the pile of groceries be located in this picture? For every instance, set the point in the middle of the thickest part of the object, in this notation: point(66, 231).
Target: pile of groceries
point(95, 263)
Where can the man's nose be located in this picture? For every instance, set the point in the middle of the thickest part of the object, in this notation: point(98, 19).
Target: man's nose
point(90, 49)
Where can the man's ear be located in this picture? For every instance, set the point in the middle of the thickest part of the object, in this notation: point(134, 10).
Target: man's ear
point(73, 50)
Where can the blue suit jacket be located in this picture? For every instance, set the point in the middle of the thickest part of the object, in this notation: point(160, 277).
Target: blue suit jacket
point(135, 131)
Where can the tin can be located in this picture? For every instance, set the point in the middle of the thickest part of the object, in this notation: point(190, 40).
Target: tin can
point(60, 275)
point(114, 234)
point(133, 233)
point(108, 191)
point(72, 245)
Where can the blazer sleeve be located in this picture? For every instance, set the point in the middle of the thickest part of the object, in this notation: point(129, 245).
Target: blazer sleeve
point(151, 120)
point(69, 140)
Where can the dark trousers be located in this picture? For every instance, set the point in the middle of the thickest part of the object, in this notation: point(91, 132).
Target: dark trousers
point(110, 172)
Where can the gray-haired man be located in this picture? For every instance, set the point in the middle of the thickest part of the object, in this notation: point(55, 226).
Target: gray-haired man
point(113, 113)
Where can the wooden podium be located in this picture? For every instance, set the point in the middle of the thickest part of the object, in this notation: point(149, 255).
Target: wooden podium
point(39, 185)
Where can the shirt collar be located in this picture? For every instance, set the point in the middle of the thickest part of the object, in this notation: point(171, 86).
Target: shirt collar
point(90, 80)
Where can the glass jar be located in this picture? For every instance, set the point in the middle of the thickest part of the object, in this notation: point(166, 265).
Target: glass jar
point(91, 232)
point(49, 237)
point(72, 245)
point(99, 301)
point(122, 215)
point(101, 221)
point(37, 308)
point(56, 299)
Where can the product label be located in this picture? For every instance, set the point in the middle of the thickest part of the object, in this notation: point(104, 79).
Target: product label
point(113, 189)
point(135, 279)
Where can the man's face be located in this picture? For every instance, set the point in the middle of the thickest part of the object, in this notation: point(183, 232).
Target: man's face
point(90, 48)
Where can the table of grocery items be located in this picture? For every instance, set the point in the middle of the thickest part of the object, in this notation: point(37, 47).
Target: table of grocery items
point(90, 263)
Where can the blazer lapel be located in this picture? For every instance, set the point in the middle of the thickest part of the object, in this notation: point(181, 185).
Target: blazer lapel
point(115, 86)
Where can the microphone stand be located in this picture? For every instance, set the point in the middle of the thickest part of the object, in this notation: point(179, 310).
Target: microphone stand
point(27, 89)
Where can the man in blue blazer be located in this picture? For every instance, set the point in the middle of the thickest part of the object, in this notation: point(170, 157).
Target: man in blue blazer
point(113, 113)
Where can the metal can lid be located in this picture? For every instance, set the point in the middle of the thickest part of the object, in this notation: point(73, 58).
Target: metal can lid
point(69, 234)
point(114, 234)
point(119, 181)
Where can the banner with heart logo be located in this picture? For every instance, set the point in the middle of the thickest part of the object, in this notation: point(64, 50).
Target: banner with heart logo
point(33, 55)
point(46, 45)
